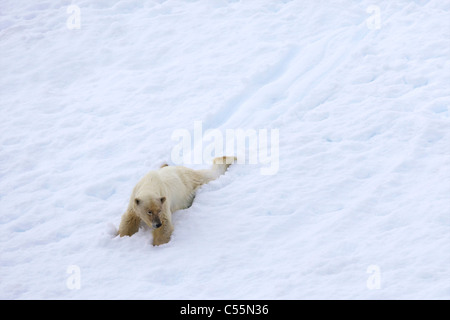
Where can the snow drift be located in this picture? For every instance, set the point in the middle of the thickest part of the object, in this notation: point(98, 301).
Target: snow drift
point(359, 207)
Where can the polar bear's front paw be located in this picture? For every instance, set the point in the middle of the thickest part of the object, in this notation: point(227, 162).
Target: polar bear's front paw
point(162, 235)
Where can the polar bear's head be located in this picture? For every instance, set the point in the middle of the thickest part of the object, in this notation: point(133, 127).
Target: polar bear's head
point(149, 210)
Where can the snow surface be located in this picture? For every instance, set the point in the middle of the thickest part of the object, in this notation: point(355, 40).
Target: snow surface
point(359, 91)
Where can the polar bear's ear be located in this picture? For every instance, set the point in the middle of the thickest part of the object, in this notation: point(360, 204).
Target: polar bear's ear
point(163, 199)
point(137, 201)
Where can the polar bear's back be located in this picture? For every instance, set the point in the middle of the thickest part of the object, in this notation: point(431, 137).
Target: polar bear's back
point(178, 184)
point(181, 183)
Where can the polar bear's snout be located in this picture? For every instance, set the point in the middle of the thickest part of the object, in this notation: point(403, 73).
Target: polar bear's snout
point(156, 225)
point(150, 210)
point(155, 219)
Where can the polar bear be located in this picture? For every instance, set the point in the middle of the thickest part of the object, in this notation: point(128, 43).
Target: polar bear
point(161, 192)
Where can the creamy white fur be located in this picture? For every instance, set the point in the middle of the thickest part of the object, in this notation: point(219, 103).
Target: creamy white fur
point(161, 192)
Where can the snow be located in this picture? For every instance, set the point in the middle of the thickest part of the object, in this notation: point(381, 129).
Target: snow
point(358, 208)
